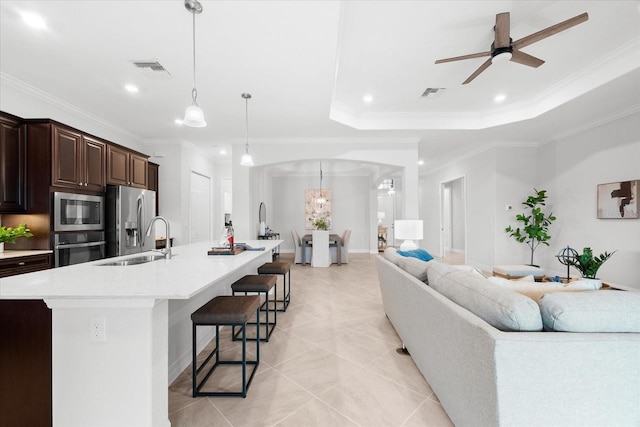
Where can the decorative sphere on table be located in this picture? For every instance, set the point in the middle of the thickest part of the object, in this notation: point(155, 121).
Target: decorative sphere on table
point(565, 255)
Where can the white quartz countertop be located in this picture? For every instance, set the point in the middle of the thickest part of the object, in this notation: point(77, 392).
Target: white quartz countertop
point(188, 272)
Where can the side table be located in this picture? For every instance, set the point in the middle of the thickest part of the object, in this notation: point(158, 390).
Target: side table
point(272, 236)
point(382, 239)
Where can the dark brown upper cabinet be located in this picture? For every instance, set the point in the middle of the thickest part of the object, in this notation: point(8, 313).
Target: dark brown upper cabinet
point(13, 165)
point(125, 167)
point(78, 160)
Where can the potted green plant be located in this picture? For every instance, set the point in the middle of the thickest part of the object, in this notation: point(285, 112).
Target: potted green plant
point(9, 235)
point(535, 226)
point(587, 264)
point(321, 224)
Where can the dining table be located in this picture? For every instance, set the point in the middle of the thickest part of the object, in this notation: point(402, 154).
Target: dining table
point(334, 239)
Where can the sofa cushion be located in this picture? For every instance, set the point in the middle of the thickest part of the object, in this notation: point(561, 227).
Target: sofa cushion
point(436, 270)
point(416, 267)
point(421, 254)
point(592, 311)
point(391, 254)
point(501, 308)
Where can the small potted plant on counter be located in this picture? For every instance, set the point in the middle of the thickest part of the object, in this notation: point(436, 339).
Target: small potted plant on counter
point(9, 235)
point(588, 265)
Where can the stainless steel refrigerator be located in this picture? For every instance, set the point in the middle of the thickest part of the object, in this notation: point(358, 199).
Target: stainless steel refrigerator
point(128, 214)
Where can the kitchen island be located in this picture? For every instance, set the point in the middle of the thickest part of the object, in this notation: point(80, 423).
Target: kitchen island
point(121, 334)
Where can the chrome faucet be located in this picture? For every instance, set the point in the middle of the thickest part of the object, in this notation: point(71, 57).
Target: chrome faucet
point(167, 249)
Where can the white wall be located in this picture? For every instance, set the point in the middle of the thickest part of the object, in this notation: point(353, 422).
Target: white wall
point(178, 160)
point(350, 207)
point(31, 103)
point(479, 171)
point(253, 185)
point(570, 170)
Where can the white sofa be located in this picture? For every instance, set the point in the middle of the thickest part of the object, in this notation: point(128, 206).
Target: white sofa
point(484, 376)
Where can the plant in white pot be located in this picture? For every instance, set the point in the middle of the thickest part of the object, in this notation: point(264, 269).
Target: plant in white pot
point(9, 235)
point(588, 264)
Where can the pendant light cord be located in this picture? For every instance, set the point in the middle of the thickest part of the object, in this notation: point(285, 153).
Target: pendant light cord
point(194, 91)
point(246, 118)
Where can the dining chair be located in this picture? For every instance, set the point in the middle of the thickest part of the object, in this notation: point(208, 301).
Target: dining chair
point(344, 250)
point(299, 250)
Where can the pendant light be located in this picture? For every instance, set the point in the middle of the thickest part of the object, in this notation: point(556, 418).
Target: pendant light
point(193, 115)
point(321, 200)
point(246, 160)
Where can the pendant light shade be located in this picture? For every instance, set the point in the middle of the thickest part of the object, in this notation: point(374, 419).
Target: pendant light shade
point(193, 115)
point(246, 159)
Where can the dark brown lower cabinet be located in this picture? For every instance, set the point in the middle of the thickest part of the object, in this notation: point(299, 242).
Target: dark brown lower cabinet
point(25, 363)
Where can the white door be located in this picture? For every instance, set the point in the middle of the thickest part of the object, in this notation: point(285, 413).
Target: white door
point(200, 208)
point(446, 217)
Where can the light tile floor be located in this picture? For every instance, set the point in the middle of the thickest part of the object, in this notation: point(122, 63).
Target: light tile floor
point(331, 361)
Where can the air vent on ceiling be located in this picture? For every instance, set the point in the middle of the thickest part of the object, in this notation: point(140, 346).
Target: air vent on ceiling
point(431, 91)
point(150, 65)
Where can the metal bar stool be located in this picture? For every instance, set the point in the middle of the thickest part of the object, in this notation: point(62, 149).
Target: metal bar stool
point(231, 311)
point(261, 285)
point(280, 268)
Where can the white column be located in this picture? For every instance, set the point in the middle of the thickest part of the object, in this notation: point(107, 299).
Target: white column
point(321, 256)
point(119, 381)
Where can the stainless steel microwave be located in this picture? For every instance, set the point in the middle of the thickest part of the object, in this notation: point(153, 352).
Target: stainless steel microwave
point(77, 212)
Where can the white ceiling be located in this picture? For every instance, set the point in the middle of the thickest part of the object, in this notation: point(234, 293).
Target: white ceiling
point(308, 65)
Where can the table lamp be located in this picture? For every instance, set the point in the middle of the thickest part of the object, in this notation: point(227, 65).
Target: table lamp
point(380, 218)
point(408, 230)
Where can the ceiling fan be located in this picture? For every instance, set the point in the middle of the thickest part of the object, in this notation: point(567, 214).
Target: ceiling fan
point(504, 49)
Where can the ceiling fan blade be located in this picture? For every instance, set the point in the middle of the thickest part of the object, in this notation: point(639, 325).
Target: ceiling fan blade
point(475, 74)
point(526, 59)
point(502, 30)
point(554, 29)
point(458, 58)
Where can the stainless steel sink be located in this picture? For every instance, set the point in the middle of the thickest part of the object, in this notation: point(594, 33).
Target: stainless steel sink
point(133, 261)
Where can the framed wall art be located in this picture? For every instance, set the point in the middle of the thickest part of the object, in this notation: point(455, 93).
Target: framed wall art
point(314, 210)
point(618, 200)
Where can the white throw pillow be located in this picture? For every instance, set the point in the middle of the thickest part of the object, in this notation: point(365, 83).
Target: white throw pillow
point(594, 311)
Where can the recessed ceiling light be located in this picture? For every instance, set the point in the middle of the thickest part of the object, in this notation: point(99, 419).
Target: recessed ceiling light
point(367, 98)
point(131, 88)
point(223, 151)
point(420, 162)
point(500, 98)
point(33, 20)
point(178, 121)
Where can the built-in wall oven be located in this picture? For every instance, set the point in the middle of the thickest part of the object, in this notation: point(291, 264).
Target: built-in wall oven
point(78, 247)
point(78, 228)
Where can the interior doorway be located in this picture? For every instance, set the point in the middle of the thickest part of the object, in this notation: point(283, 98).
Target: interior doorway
point(453, 219)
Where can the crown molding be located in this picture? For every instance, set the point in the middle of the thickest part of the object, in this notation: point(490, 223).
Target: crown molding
point(56, 102)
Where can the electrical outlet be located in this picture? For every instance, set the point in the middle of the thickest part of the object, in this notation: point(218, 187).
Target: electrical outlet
point(97, 329)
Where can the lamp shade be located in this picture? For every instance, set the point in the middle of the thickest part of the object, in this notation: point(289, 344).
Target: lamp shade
point(408, 230)
point(194, 117)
